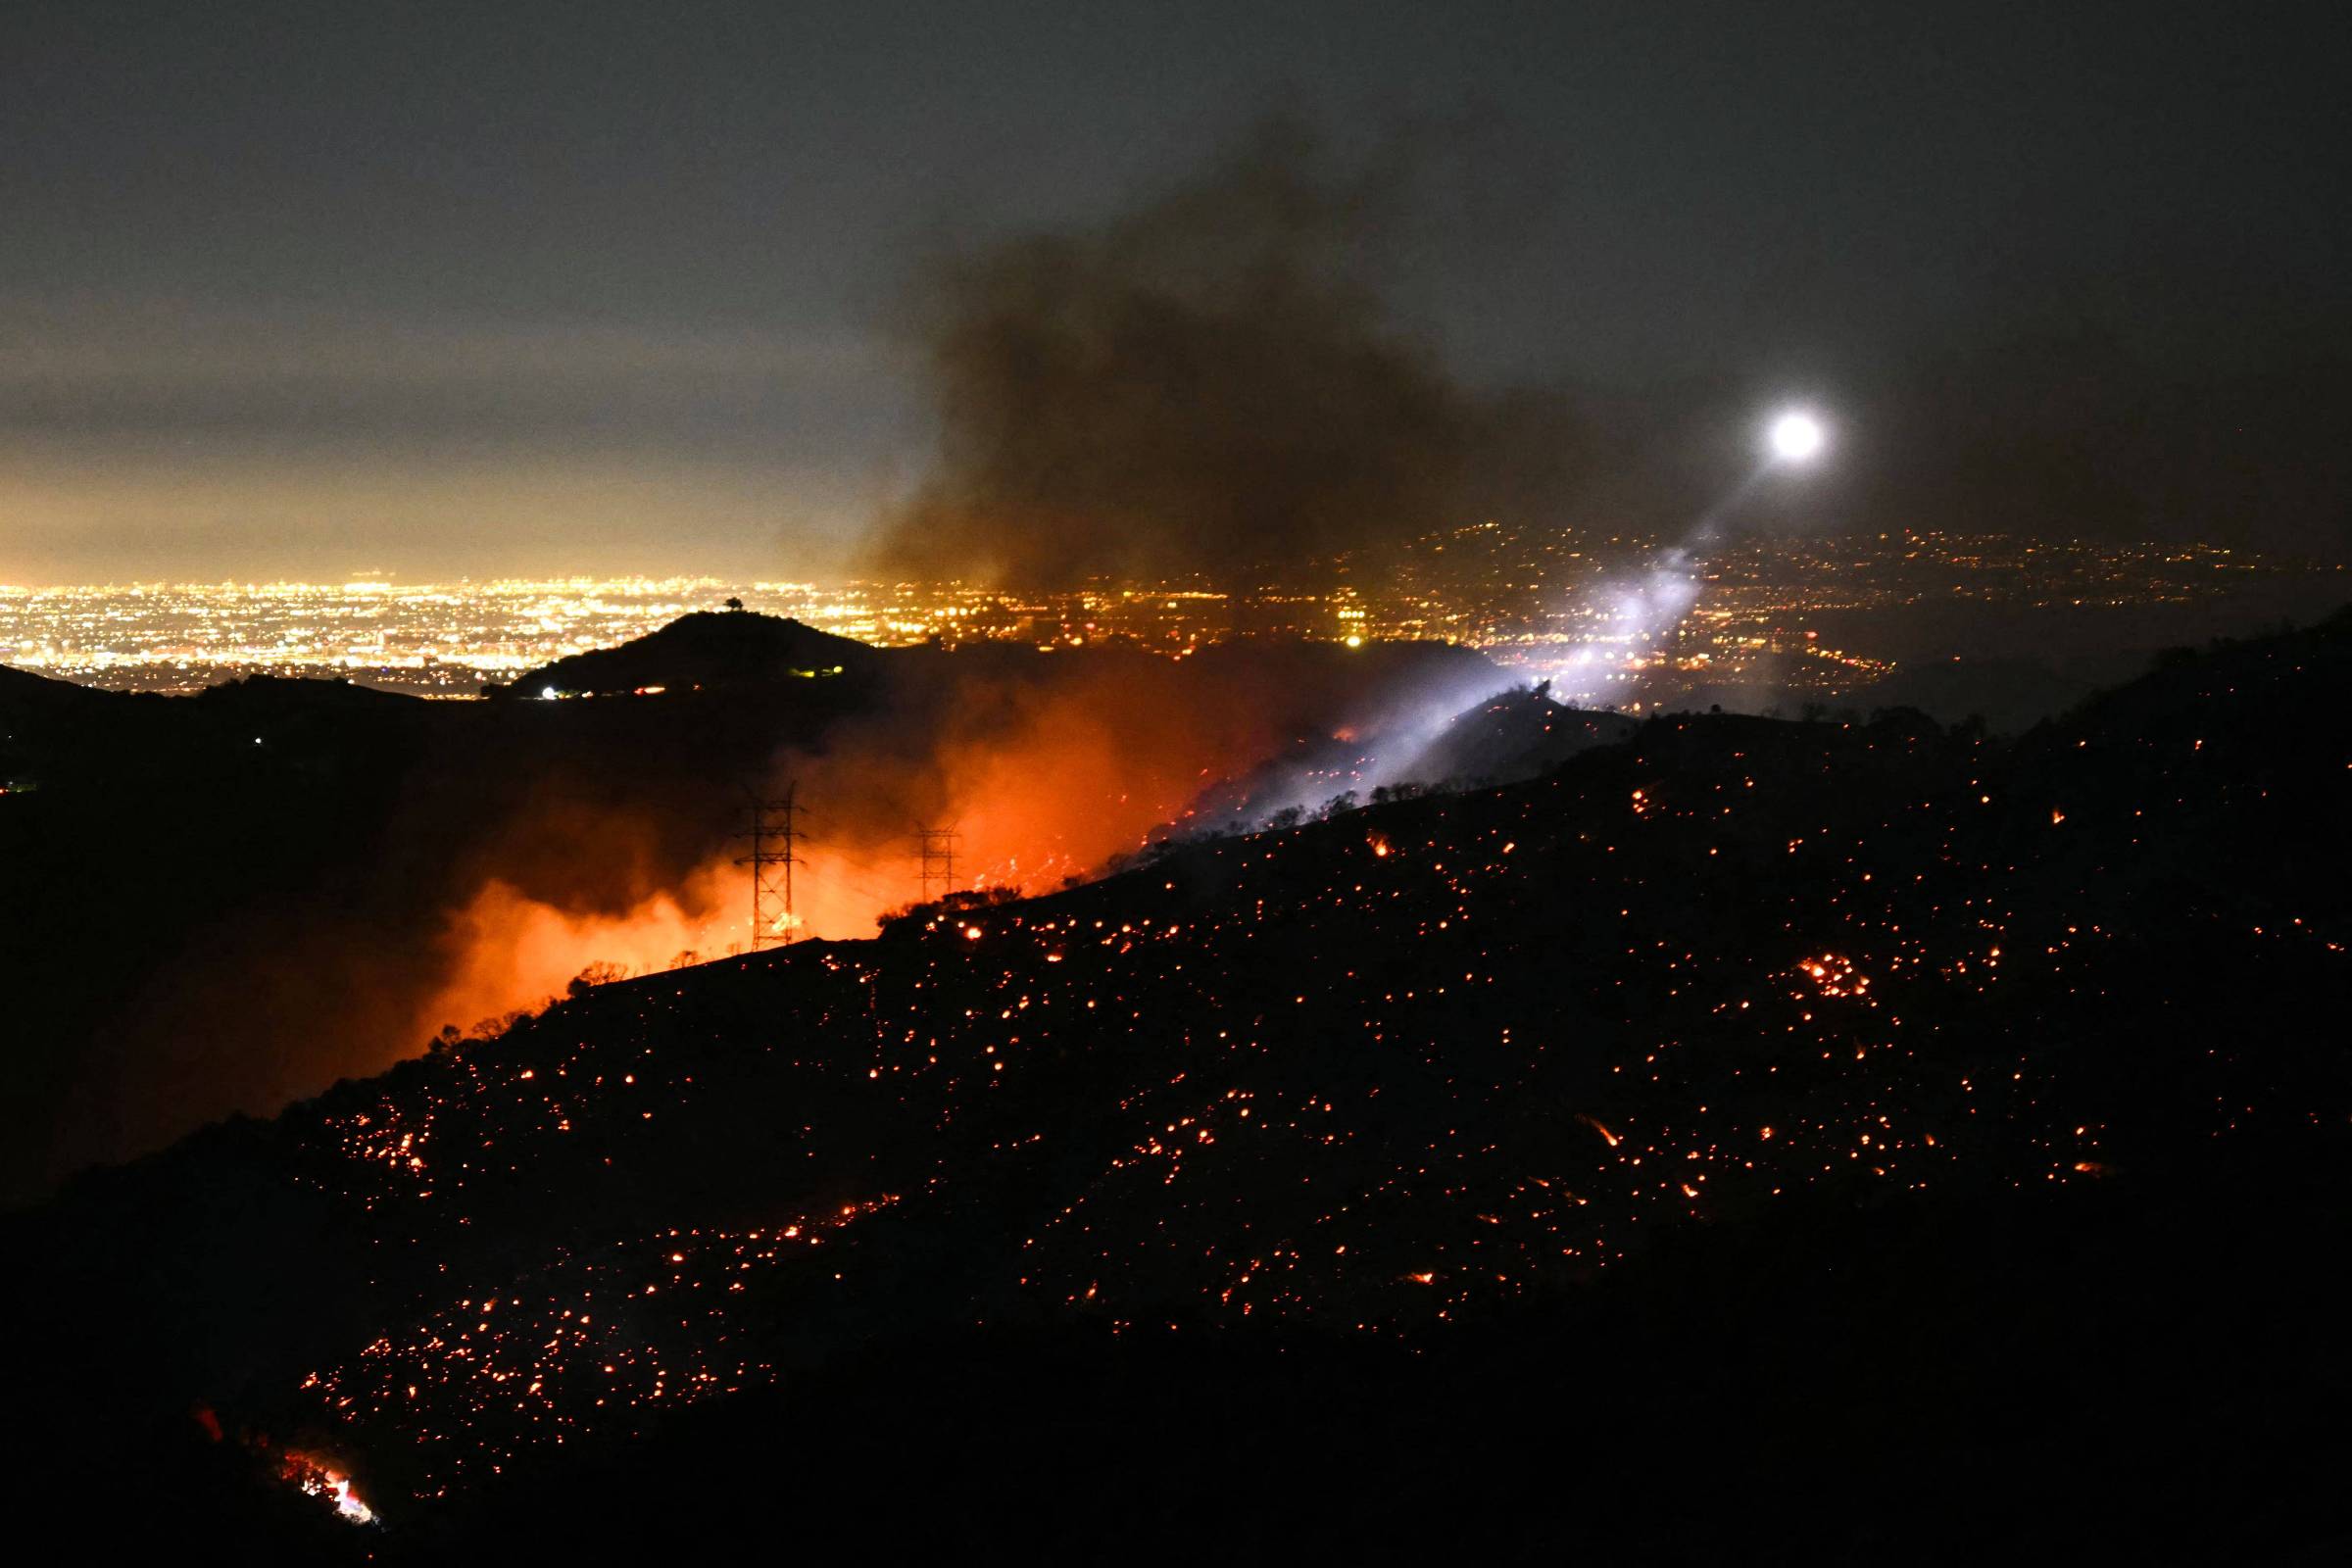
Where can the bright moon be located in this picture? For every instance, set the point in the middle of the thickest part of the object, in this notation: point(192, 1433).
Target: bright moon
point(1795, 436)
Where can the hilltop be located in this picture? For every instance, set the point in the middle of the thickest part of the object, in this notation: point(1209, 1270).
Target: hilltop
point(1734, 1109)
point(699, 649)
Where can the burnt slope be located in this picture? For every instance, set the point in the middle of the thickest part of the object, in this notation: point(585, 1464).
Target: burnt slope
point(1759, 1101)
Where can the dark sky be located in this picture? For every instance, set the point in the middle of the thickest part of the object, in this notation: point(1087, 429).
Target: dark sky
point(310, 288)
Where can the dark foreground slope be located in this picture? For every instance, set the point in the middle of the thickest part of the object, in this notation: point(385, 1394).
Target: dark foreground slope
point(1769, 1141)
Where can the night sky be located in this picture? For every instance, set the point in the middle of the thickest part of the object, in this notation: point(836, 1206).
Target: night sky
point(313, 288)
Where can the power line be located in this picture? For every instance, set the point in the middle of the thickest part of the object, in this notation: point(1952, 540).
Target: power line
point(774, 831)
point(936, 848)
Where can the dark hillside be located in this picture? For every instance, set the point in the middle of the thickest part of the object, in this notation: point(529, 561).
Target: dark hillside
point(702, 649)
point(1753, 1138)
point(1515, 735)
point(212, 898)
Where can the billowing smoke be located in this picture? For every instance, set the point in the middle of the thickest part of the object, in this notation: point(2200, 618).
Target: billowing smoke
point(1209, 385)
point(1046, 767)
point(521, 844)
point(1050, 767)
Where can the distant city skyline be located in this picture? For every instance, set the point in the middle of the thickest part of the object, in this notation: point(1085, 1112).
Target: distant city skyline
point(1876, 619)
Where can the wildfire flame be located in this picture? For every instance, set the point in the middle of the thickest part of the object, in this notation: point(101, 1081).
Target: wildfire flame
point(317, 1479)
point(1042, 779)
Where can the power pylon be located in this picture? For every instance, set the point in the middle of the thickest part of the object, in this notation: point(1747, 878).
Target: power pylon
point(774, 831)
point(937, 848)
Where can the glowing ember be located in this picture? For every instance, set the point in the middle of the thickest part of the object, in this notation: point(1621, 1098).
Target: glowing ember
point(1835, 975)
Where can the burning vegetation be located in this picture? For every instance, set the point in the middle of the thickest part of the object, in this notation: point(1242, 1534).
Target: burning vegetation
point(315, 1478)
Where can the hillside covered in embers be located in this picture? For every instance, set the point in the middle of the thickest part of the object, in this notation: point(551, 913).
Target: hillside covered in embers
point(1750, 1138)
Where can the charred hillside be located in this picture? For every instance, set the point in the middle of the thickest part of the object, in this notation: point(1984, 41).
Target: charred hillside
point(1756, 1116)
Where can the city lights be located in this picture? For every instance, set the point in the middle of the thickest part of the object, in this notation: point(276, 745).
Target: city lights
point(1596, 615)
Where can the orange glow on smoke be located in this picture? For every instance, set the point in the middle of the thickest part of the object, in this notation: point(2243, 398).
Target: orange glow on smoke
point(514, 952)
point(1045, 778)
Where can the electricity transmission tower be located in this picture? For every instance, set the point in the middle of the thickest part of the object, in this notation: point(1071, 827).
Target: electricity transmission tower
point(937, 848)
point(774, 831)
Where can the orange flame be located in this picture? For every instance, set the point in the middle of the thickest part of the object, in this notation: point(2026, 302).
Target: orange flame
point(317, 1479)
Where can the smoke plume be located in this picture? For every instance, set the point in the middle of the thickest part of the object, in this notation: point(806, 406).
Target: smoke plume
point(1208, 385)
